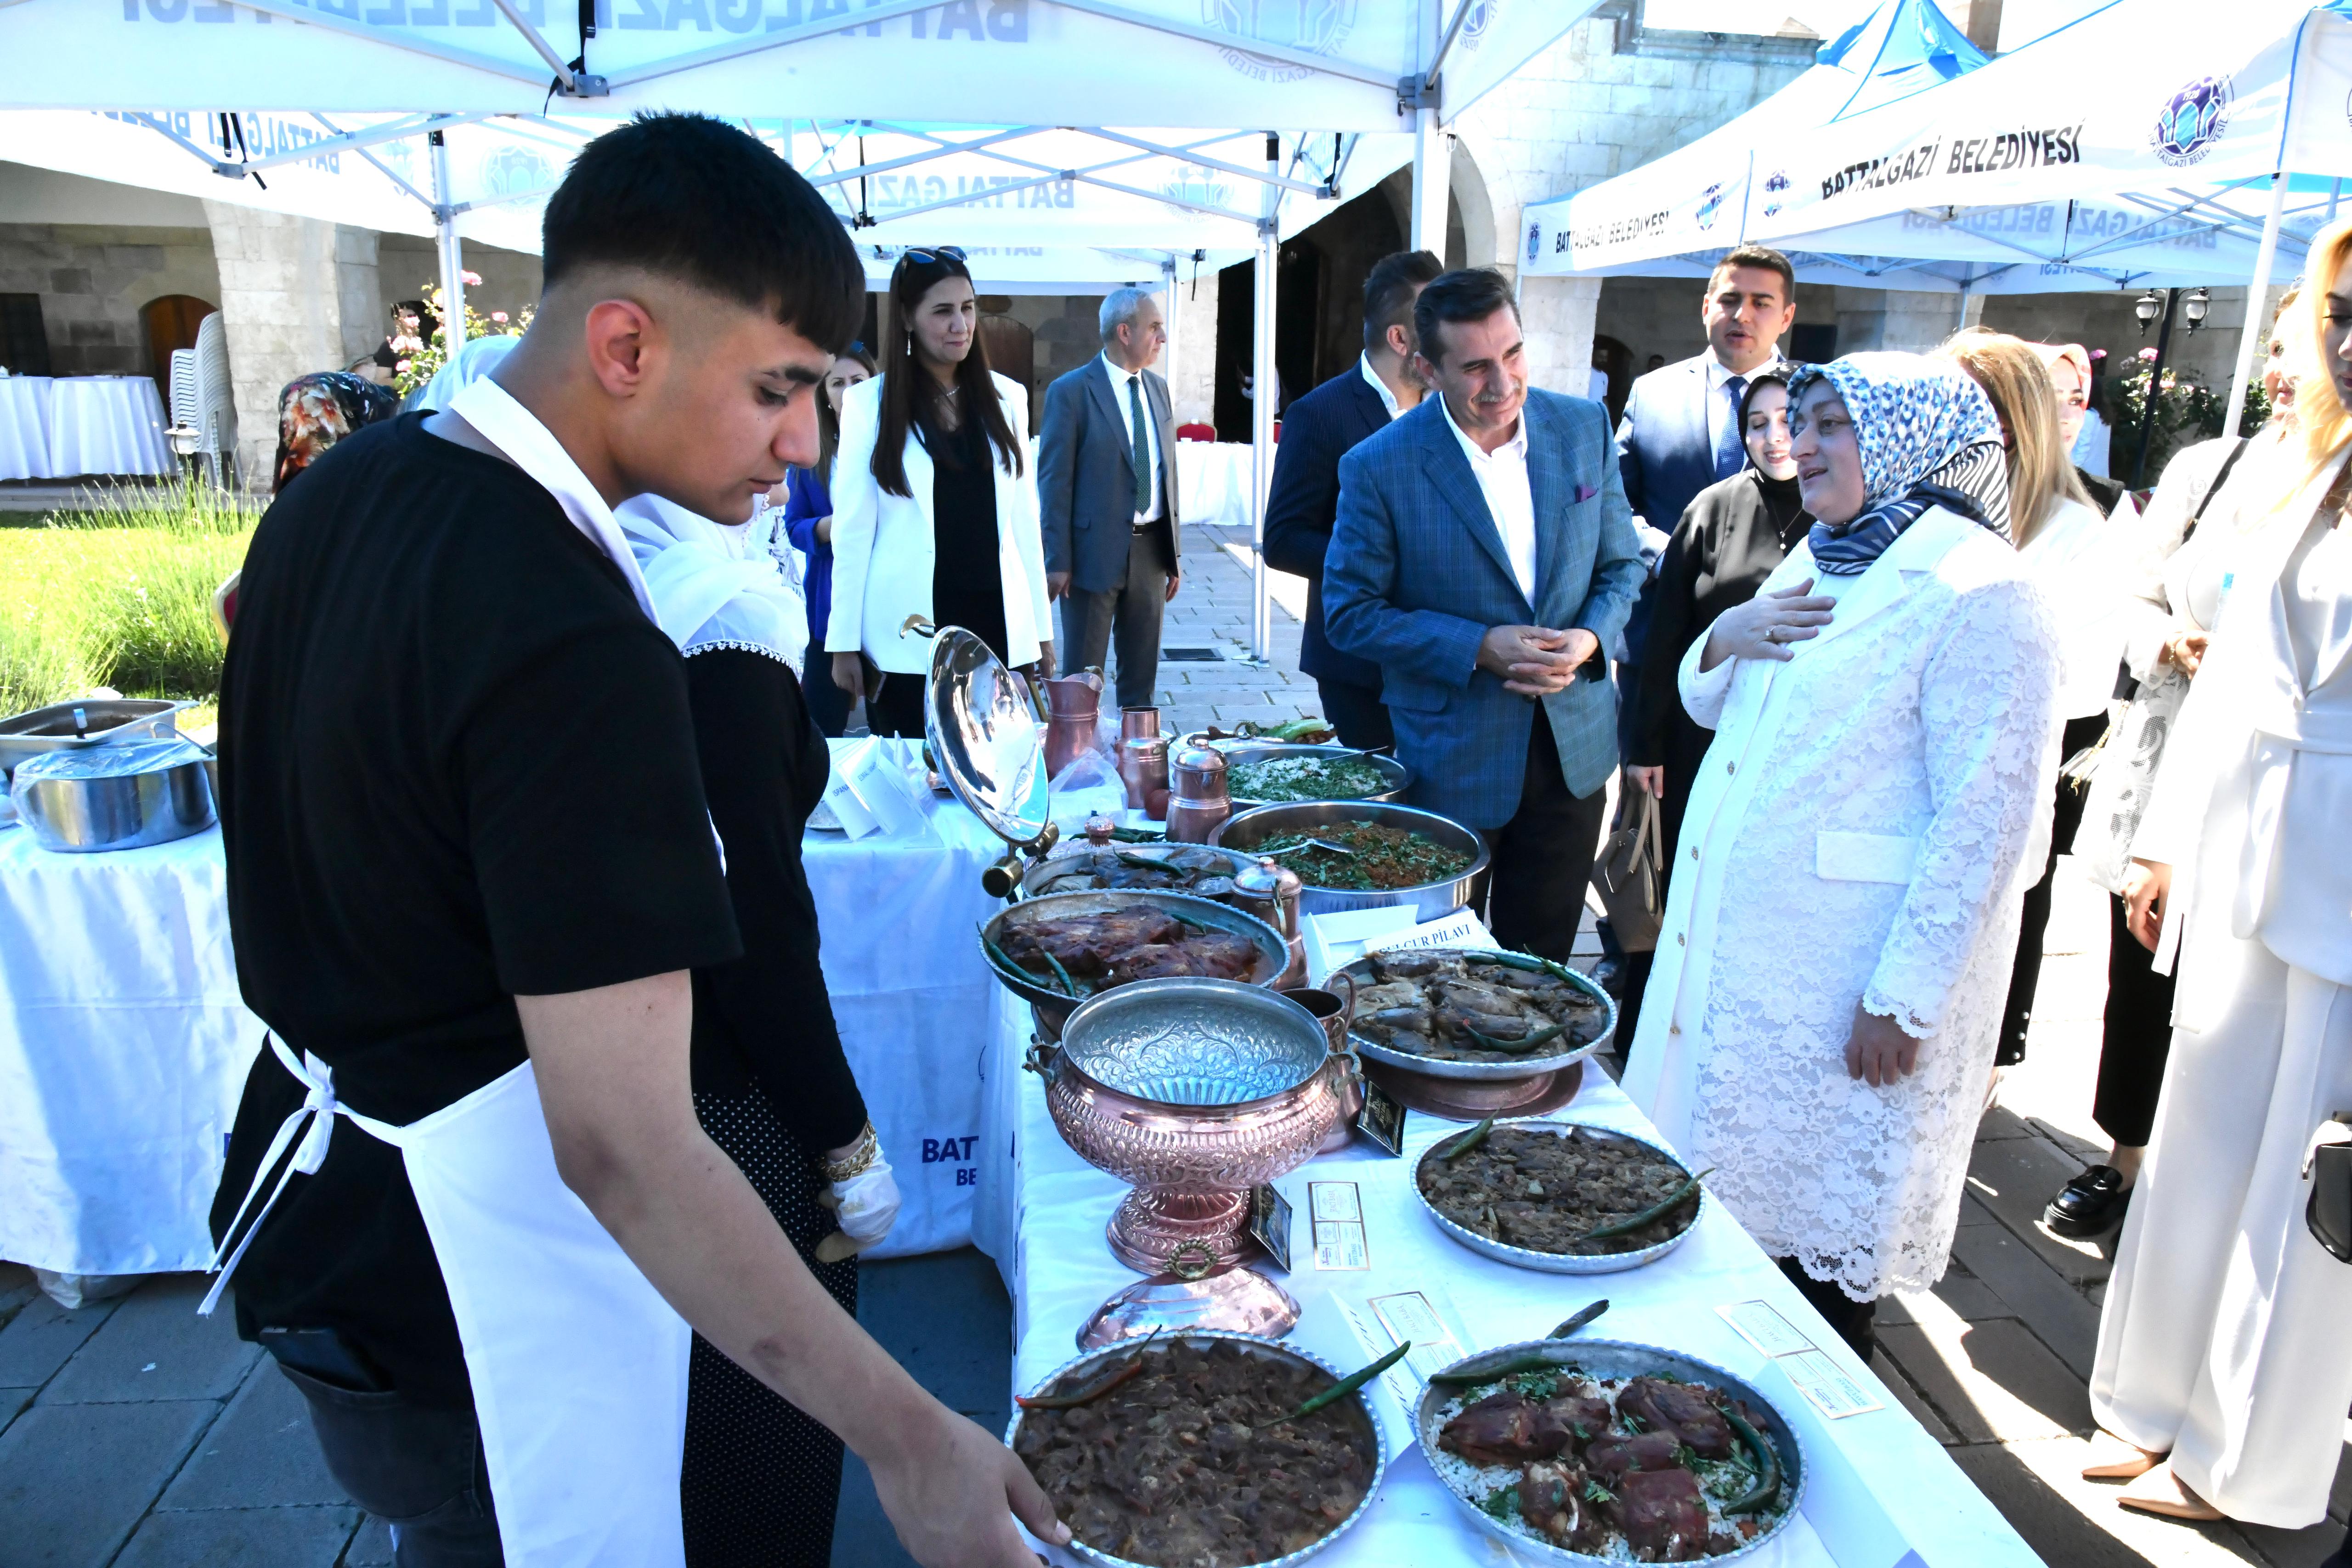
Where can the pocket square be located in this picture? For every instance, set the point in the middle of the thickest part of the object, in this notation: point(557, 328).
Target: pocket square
point(1586, 492)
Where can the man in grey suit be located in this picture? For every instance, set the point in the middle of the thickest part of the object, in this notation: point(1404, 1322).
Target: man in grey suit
point(1107, 498)
point(1482, 557)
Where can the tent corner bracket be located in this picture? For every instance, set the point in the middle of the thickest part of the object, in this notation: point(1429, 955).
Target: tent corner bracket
point(1416, 91)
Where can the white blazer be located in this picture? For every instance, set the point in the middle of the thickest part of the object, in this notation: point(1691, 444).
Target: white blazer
point(883, 547)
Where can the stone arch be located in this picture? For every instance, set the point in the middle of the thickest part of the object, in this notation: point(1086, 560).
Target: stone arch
point(1470, 213)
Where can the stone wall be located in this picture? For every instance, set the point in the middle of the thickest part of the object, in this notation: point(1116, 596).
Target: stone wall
point(1193, 388)
point(408, 263)
point(93, 280)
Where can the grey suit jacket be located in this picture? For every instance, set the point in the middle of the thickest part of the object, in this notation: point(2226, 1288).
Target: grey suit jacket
point(1086, 477)
point(1417, 572)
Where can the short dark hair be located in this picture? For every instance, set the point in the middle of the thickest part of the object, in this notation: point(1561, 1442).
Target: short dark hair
point(695, 199)
point(1761, 257)
point(1388, 290)
point(1467, 293)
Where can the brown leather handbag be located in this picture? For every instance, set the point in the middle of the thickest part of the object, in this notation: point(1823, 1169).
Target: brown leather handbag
point(1628, 873)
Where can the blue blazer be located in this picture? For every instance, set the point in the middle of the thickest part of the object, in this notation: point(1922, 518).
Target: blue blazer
point(1317, 431)
point(1418, 572)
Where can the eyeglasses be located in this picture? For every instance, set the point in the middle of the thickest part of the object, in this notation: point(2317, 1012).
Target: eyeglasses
point(938, 254)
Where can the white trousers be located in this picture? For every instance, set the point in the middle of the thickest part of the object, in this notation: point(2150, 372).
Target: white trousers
point(2227, 1336)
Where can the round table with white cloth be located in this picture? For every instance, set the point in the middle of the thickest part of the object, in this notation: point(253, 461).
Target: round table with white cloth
point(25, 427)
point(107, 425)
point(1213, 482)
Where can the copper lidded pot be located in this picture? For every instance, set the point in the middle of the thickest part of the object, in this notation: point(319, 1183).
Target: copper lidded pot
point(1197, 800)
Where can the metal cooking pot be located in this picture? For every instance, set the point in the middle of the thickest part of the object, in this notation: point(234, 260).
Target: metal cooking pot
point(1238, 752)
point(119, 797)
point(1244, 831)
point(83, 723)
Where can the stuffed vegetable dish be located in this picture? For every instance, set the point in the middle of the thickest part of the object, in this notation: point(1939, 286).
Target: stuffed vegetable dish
point(1550, 1187)
point(1191, 1454)
point(1457, 1005)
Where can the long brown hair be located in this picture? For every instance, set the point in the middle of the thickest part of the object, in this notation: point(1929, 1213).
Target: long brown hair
point(910, 395)
point(828, 423)
point(2040, 473)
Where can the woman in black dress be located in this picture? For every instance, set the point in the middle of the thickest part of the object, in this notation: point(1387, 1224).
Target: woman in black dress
point(771, 1084)
point(1732, 536)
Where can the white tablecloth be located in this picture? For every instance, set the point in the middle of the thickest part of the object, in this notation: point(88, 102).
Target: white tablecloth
point(1882, 1493)
point(1213, 482)
point(124, 1045)
point(25, 427)
point(107, 425)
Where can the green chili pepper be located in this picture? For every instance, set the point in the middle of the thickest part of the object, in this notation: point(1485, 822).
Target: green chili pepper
point(1342, 1388)
point(1061, 974)
point(1768, 1482)
point(1142, 862)
point(1534, 1362)
point(1580, 1320)
point(1093, 1391)
point(1655, 1211)
point(1516, 1047)
point(1468, 1141)
point(1138, 836)
point(1005, 961)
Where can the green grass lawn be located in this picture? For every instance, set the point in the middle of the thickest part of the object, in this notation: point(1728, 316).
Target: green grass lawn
point(118, 597)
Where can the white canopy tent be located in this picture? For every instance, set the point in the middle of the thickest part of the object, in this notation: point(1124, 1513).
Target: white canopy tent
point(1362, 67)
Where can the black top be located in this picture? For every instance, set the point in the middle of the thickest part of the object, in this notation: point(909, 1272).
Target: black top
point(456, 766)
point(1735, 532)
point(2104, 493)
point(967, 573)
point(765, 1018)
point(1304, 500)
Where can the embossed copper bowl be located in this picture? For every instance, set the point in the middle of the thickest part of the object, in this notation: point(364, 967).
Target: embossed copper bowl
point(1195, 1091)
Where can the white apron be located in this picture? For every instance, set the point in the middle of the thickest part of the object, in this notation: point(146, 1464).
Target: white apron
point(578, 1365)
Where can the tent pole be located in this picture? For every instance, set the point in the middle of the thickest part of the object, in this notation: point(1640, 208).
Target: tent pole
point(1168, 316)
point(2241, 375)
point(453, 261)
point(2156, 389)
point(1433, 166)
point(1266, 395)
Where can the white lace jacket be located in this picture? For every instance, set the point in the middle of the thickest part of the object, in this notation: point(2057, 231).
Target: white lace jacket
point(1862, 831)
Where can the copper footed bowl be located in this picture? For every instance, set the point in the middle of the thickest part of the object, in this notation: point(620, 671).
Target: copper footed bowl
point(1195, 1091)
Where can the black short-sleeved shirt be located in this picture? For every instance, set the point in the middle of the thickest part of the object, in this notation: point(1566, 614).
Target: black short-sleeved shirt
point(457, 765)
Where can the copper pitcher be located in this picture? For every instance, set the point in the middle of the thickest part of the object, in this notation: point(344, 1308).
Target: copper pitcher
point(1197, 797)
point(1073, 706)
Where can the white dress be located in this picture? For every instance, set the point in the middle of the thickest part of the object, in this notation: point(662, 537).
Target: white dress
point(2223, 1338)
point(1863, 828)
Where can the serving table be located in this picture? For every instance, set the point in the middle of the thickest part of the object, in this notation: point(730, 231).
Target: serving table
point(62, 426)
point(1213, 482)
point(1882, 1492)
point(125, 1043)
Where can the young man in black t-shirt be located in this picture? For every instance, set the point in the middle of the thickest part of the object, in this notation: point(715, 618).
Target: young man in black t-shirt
point(465, 833)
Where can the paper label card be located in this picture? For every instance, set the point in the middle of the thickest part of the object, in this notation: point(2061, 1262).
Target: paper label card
point(1337, 1210)
point(1826, 1386)
point(1383, 1118)
point(1269, 1224)
point(1767, 1329)
point(1459, 929)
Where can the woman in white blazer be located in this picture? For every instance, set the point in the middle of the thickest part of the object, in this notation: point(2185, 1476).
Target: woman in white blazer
point(935, 505)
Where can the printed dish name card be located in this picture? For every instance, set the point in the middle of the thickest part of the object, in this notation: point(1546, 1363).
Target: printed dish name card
point(1381, 1322)
point(1822, 1381)
point(1336, 1208)
point(1269, 1224)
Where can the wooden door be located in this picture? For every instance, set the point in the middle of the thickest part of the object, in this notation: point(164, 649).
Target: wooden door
point(1012, 350)
point(171, 323)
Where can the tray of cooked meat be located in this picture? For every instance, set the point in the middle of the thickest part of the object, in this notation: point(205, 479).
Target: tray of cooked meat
point(1195, 869)
point(1467, 1012)
point(1190, 1452)
point(1607, 1451)
point(1565, 1197)
point(1056, 950)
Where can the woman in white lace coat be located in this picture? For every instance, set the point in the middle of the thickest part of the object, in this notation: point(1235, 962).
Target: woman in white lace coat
point(1819, 1023)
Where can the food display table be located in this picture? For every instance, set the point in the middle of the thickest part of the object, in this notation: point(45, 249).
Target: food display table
point(25, 427)
point(1213, 482)
point(1882, 1492)
point(124, 1044)
point(62, 426)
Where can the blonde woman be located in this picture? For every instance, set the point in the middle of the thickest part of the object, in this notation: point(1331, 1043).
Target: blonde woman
point(2068, 546)
point(2221, 1377)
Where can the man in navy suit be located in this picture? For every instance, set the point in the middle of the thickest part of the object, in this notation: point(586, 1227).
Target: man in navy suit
point(1319, 430)
point(1482, 557)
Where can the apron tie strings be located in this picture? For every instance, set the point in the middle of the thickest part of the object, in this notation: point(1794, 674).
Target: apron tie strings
point(319, 1107)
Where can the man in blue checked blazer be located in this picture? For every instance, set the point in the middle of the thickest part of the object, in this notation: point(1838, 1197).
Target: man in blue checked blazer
point(1482, 557)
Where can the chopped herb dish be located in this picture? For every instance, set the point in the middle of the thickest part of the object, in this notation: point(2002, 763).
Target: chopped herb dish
point(1287, 779)
point(1364, 857)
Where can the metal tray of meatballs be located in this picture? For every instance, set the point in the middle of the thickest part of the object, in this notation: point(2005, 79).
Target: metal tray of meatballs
point(1473, 1012)
point(1185, 1458)
point(1564, 1197)
point(1609, 1451)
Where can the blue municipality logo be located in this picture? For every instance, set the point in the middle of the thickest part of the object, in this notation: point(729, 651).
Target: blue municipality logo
point(1482, 17)
point(1535, 242)
point(1312, 27)
point(2192, 121)
point(1709, 206)
point(1776, 183)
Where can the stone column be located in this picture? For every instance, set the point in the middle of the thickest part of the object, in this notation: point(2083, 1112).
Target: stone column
point(297, 295)
point(1556, 317)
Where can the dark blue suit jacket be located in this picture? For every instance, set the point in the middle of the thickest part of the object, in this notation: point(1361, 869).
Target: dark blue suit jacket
point(1317, 431)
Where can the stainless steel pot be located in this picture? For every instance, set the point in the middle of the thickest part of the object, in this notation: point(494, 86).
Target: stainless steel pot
point(1245, 831)
point(119, 797)
point(84, 723)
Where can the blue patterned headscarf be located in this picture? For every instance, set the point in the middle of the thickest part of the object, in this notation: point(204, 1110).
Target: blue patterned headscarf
point(1928, 438)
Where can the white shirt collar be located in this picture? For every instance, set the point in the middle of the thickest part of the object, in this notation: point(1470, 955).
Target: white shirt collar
point(1388, 398)
point(1119, 377)
point(1717, 372)
point(1517, 445)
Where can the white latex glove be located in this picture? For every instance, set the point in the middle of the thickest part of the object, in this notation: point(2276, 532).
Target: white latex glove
point(867, 1205)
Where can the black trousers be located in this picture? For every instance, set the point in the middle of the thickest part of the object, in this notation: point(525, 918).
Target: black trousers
point(2139, 1037)
point(827, 703)
point(1542, 857)
point(1125, 616)
point(1357, 713)
point(2034, 924)
point(420, 1468)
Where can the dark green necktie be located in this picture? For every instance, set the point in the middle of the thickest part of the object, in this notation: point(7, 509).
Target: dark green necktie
point(1141, 456)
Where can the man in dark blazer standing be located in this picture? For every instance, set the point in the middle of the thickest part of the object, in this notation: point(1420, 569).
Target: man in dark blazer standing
point(1318, 431)
point(1484, 556)
point(1107, 498)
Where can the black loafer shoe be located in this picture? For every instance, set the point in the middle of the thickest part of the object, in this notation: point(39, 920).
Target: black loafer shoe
point(1610, 975)
point(2091, 1204)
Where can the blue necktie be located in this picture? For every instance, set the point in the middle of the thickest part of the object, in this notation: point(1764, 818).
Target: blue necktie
point(1730, 450)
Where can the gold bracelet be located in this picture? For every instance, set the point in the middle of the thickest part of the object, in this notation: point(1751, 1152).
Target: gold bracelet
point(863, 1153)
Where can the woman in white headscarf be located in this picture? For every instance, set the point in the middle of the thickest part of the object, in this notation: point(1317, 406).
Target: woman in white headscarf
point(1819, 1026)
point(771, 1083)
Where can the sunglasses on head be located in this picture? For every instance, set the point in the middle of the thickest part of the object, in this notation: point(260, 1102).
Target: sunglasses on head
point(935, 255)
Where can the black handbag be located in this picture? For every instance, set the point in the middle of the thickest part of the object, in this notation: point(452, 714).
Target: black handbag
point(1629, 869)
point(2328, 1167)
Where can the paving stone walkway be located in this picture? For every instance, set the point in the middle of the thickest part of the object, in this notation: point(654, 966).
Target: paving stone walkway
point(135, 1434)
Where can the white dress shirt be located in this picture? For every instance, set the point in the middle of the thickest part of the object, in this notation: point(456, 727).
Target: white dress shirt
point(1388, 398)
point(1502, 476)
point(1149, 438)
